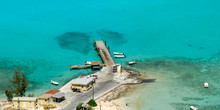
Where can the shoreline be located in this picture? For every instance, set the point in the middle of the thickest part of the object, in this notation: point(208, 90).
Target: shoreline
point(116, 99)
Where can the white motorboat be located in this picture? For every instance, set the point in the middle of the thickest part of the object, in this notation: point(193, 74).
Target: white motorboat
point(119, 56)
point(132, 62)
point(117, 53)
point(193, 108)
point(88, 62)
point(206, 85)
point(54, 82)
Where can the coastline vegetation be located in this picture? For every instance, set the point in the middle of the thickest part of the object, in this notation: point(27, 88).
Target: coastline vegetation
point(18, 86)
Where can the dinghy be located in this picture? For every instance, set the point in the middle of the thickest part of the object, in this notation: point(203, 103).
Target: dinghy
point(193, 108)
point(88, 62)
point(132, 62)
point(119, 56)
point(117, 53)
point(206, 85)
point(54, 82)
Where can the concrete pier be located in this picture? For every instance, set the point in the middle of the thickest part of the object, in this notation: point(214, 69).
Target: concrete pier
point(104, 53)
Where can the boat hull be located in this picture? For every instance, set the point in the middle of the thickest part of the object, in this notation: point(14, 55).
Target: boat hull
point(119, 56)
point(117, 53)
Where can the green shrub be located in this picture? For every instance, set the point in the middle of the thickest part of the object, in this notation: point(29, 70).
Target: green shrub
point(79, 106)
point(92, 103)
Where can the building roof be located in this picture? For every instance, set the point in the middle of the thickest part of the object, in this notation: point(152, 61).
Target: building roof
point(52, 91)
point(95, 62)
point(58, 95)
point(83, 81)
point(25, 98)
point(49, 93)
point(45, 96)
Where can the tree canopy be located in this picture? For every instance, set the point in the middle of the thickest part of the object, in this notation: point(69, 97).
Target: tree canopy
point(92, 103)
point(19, 84)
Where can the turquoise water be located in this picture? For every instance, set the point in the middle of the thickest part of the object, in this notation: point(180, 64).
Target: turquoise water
point(45, 37)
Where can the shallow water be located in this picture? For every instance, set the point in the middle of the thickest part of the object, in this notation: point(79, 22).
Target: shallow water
point(33, 36)
point(178, 84)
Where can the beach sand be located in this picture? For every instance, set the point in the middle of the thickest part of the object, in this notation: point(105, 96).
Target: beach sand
point(117, 99)
point(5, 105)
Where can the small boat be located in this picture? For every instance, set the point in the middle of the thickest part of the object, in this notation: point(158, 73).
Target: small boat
point(54, 82)
point(119, 56)
point(88, 62)
point(193, 108)
point(117, 53)
point(132, 62)
point(206, 85)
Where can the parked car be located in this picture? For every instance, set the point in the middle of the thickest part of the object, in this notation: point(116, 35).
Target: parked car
point(94, 76)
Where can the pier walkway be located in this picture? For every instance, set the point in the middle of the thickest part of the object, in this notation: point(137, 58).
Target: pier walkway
point(104, 53)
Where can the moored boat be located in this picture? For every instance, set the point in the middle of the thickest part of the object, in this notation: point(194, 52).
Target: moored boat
point(119, 56)
point(193, 108)
point(118, 53)
point(132, 62)
point(206, 85)
point(54, 82)
point(88, 62)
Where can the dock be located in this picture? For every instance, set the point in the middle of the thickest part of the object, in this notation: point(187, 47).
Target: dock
point(104, 53)
point(83, 66)
point(80, 66)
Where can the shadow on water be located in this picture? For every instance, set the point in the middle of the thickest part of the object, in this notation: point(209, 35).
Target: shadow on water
point(148, 80)
point(76, 41)
point(113, 37)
